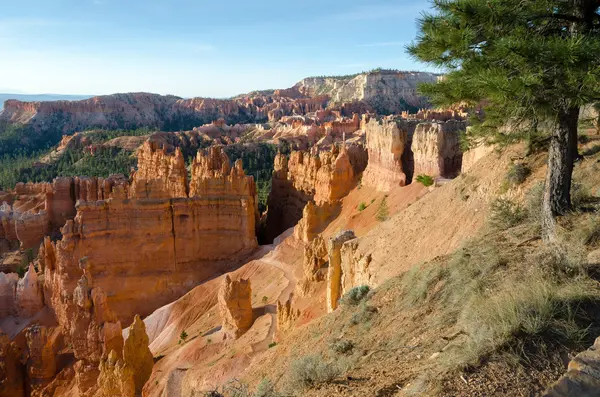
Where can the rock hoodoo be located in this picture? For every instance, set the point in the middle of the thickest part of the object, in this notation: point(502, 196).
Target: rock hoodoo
point(235, 307)
point(286, 318)
point(41, 364)
point(12, 371)
point(29, 297)
point(334, 273)
point(8, 287)
point(137, 355)
point(116, 378)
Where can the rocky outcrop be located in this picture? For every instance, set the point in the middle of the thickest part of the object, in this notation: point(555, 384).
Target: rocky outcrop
point(41, 209)
point(582, 378)
point(334, 272)
point(116, 378)
point(29, 298)
point(385, 91)
point(315, 257)
point(41, 363)
point(388, 144)
point(8, 287)
point(159, 175)
point(324, 178)
point(436, 149)
point(12, 371)
point(354, 266)
point(145, 253)
point(235, 307)
point(286, 318)
point(137, 355)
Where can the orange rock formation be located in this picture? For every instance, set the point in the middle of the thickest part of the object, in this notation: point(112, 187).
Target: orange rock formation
point(304, 177)
point(136, 354)
point(386, 143)
point(334, 273)
point(436, 149)
point(12, 371)
point(235, 307)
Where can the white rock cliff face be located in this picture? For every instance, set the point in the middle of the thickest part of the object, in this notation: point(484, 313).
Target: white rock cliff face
point(386, 91)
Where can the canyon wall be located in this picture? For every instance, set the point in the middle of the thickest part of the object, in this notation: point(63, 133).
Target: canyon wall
point(40, 209)
point(390, 156)
point(436, 149)
point(146, 252)
point(321, 178)
point(385, 91)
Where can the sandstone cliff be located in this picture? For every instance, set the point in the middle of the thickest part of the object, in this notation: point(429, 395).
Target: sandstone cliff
point(388, 144)
point(386, 91)
point(436, 149)
point(161, 248)
point(322, 178)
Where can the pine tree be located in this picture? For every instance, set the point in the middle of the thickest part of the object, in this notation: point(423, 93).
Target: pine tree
point(529, 63)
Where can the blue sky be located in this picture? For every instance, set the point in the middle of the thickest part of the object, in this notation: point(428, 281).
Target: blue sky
point(197, 48)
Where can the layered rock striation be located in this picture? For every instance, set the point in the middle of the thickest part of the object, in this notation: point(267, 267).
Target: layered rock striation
point(308, 186)
point(146, 252)
point(436, 149)
point(388, 145)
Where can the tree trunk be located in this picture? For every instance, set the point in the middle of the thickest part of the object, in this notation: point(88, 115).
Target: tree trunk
point(561, 154)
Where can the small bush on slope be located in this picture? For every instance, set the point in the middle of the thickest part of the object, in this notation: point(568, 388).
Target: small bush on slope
point(426, 180)
point(506, 214)
point(383, 212)
point(311, 370)
point(355, 295)
point(517, 174)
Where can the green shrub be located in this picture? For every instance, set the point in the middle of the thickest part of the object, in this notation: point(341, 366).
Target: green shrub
point(517, 174)
point(580, 195)
point(21, 271)
point(426, 180)
point(363, 315)
point(355, 295)
point(265, 389)
point(362, 206)
point(383, 211)
point(311, 370)
point(272, 344)
point(341, 346)
point(183, 336)
point(505, 214)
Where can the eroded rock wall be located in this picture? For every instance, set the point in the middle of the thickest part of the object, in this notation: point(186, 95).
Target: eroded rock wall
point(144, 253)
point(321, 178)
point(388, 145)
point(436, 149)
